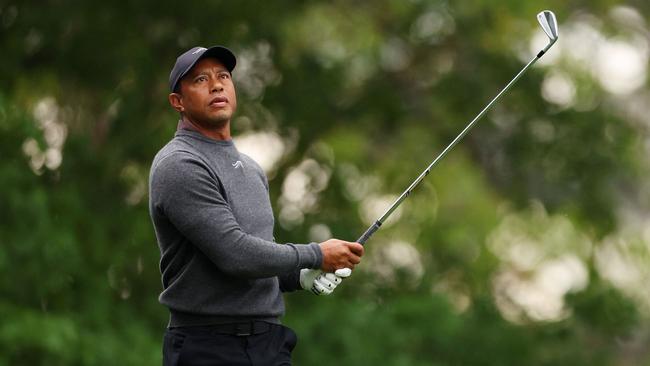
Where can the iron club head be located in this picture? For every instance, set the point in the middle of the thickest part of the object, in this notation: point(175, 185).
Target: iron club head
point(548, 22)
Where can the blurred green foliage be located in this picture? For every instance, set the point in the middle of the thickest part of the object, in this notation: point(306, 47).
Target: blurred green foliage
point(518, 249)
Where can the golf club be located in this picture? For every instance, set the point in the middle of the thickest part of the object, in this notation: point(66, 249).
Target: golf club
point(548, 22)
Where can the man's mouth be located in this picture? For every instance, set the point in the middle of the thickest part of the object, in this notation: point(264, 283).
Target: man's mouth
point(219, 102)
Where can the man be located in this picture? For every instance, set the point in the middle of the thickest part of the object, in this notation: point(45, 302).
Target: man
point(222, 272)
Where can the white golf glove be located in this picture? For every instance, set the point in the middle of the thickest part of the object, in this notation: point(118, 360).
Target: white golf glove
point(321, 283)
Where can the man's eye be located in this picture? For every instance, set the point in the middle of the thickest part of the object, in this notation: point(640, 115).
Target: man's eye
point(225, 76)
point(201, 79)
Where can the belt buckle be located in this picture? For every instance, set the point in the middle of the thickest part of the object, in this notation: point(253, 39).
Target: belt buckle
point(243, 329)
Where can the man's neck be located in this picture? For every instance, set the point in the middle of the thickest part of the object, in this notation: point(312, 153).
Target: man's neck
point(216, 133)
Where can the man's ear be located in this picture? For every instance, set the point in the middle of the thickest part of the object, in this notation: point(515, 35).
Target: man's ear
point(176, 101)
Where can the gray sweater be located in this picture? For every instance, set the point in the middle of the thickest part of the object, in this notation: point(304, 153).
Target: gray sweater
point(212, 215)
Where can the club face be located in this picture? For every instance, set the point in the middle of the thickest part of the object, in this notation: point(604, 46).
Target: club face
point(547, 20)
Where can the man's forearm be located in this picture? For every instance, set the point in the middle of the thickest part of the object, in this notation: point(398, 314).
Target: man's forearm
point(186, 195)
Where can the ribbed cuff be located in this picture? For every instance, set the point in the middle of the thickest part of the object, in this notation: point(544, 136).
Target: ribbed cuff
point(309, 255)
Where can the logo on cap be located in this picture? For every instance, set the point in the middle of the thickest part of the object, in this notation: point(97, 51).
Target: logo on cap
point(200, 49)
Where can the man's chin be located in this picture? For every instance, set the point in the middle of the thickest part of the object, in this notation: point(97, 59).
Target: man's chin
point(212, 120)
point(219, 120)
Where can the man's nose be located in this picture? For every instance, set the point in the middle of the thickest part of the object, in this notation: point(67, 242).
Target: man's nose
point(217, 86)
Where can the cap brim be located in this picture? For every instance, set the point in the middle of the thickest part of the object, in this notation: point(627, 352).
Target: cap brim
point(224, 55)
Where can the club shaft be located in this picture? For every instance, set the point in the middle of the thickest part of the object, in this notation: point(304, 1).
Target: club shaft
point(377, 224)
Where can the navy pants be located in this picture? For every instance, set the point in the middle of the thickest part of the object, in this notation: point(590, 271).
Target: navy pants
point(202, 346)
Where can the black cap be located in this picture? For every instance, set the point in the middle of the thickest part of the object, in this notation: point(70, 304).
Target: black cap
point(186, 61)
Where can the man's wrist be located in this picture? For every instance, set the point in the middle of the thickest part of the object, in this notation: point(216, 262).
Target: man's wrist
point(318, 255)
point(308, 255)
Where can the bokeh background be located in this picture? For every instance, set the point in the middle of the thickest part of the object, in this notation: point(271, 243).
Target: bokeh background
point(528, 245)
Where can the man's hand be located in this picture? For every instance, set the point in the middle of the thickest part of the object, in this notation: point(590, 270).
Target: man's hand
point(321, 283)
point(340, 254)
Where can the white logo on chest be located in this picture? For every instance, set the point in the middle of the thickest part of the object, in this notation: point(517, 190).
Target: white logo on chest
point(237, 164)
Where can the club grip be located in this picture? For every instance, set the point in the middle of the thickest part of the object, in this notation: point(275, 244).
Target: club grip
point(371, 230)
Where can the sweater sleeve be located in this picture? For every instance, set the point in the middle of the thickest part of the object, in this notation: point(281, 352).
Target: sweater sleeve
point(290, 281)
point(188, 195)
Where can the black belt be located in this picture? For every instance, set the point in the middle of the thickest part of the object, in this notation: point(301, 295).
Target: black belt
point(243, 329)
point(239, 329)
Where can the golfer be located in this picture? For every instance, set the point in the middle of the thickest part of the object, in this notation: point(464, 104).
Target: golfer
point(222, 272)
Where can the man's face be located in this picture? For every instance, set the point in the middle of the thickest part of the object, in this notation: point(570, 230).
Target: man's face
point(207, 94)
